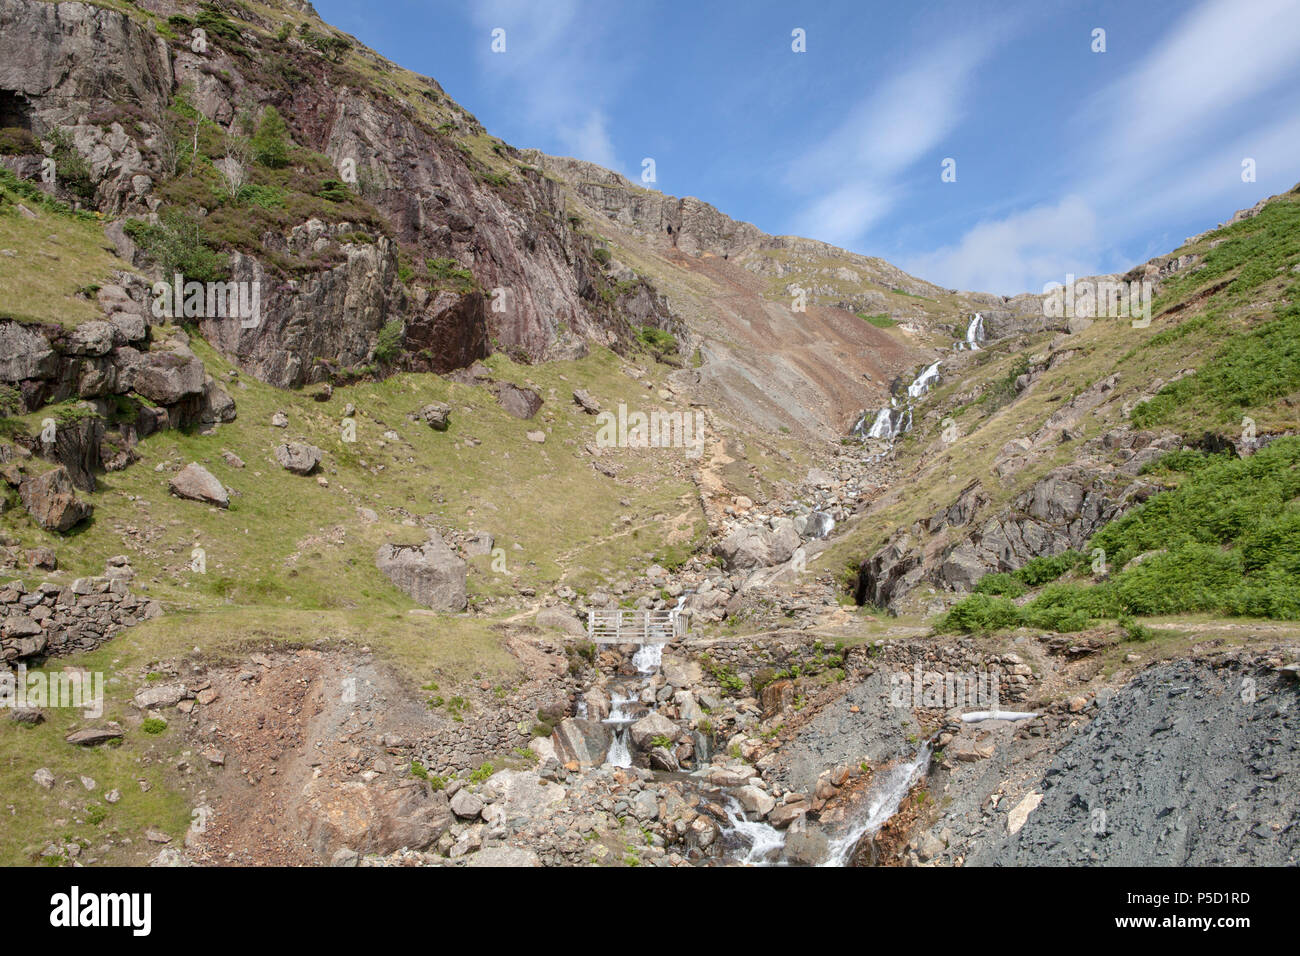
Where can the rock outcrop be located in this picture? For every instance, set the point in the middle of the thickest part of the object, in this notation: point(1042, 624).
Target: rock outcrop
point(430, 573)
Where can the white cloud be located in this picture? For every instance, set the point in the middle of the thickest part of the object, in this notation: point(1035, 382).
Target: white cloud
point(887, 131)
point(1161, 142)
point(1020, 252)
point(549, 65)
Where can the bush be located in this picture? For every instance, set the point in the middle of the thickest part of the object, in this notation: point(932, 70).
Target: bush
point(178, 244)
point(1000, 584)
point(980, 613)
point(388, 345)
point(270, 141)
point(657, 339)
point(334, 191)
point(1050, 567)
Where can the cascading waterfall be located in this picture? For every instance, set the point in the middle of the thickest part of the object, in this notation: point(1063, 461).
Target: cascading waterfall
point(620, 755)
point(882, 803)
point(761, 843)
point(892, 421)
point(924, 381)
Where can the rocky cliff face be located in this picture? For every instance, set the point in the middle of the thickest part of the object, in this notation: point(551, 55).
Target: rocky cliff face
point(105, 78)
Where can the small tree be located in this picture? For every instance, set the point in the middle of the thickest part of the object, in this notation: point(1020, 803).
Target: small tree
point(270, 141)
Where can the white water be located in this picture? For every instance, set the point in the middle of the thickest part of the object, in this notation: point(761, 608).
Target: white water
point(882, 803)
point(820, 524)
point(647, 660)
point(975, 333)
point(891, 421)
point(924, 381)
point(762, 842)
point(619, 754)
point(883, 426)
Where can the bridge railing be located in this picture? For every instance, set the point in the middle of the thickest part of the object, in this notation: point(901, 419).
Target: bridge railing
point(633, 626)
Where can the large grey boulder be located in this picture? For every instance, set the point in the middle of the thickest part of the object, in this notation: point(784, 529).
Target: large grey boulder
point(167, 377)
point(751, 547)
point(373, 819)
point(430, 573)
point(298, 457)
point(196, 483)
point(52, 501)
point(519, 402)
point(24, 353)
point(652, 725)
point(560, 619)
point(437, 415)
point(583, 741)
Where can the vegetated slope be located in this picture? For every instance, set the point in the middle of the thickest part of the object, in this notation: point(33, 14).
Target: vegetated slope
point(1032, 446)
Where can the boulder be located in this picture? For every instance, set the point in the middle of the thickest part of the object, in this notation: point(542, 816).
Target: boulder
point(91, 736)
point(652, 725)
point(160, 695)
point(756, 802)
point(168, 377)
point(437, 415)
point(560, 619)
point(196, 483)
point(582, 398)
point(583, 741)
point(519, 795)
point(430, 573)
point(519, 402)
point(497, 856)
point(466, 805)
point(751, 547)
point(370, 819)
point(298, 457)
point(52, 501)
point(479, 543)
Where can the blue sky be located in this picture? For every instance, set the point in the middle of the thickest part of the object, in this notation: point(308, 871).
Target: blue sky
point(1067, 160)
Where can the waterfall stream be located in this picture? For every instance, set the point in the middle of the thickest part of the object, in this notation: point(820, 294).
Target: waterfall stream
point(882, 803)
point(760, 844)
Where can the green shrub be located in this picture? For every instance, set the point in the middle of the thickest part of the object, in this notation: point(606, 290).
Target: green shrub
point(1049, 567)
point(657, 339)
point(153, 726)
point(178, 244)
point(1000, 584)
point(980, 613)
point(270, 141)
point(334, 191)
point(388, 345)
